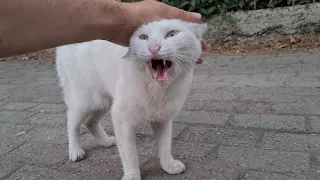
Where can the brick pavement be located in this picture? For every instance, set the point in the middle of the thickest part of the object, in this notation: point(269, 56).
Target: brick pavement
point(247, 118)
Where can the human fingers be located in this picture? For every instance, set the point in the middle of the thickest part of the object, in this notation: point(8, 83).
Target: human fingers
point(175, 13)
point(170, 12)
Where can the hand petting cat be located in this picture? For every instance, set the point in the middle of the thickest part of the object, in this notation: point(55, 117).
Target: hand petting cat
point(151, 10)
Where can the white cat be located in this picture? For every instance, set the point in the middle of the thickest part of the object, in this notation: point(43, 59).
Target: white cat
point(147, 82)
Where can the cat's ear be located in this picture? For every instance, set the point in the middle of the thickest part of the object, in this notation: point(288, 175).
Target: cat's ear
point(198, 29)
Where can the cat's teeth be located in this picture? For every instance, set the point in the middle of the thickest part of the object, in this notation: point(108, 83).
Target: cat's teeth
point(150, 64)
point(164, 62)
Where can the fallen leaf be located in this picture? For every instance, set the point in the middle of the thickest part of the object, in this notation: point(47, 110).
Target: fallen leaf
point(292, 40)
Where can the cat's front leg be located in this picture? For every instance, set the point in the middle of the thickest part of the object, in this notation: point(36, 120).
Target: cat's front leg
point(126, 141)
point(163, 135)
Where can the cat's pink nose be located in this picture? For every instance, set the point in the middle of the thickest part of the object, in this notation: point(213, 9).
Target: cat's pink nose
point(154, 49)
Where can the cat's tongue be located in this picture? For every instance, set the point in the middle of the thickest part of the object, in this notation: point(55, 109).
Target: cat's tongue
point(160, 73)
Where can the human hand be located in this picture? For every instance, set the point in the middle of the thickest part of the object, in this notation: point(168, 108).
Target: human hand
point(146, 11)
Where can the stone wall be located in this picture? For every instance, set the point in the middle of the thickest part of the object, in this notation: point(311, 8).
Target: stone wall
point(264, 24)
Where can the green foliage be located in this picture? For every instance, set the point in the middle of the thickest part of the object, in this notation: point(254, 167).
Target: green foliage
point(210, 7)
point(207, 7)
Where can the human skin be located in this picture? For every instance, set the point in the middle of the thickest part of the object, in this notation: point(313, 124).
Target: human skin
point(32, 25)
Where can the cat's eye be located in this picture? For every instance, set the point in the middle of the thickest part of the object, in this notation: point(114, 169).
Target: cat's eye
point(171, 34)
point(144, 37)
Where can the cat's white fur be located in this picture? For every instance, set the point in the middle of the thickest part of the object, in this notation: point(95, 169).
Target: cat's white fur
point(97, 76)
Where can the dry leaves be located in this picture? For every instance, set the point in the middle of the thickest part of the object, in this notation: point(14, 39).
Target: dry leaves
point(45, 55)
point(310, 43)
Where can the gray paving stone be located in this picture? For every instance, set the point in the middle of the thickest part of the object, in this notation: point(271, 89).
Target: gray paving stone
point(297, 91)
point(195, 170)
point(6, 80)
point(4, 96)
point(303, 81)
point(7, 168)
point(193, 105)
point(39, 173)
point(49, 108)
point(39, 153)
point(291, 142)
point(22, 81)
point(203, 134)
point(264, 80)
point(48, 119)
point(14, 117)
point(281, 60)
point(278, 122)
point(6, 87)
point(297, 108)
point(100, 163)
point(203, 117)
point(57, 135)
point(49, 99)
point(222, 106)
point(2, 103)
point(15, 106)
point(219, 96)
point(237, 107)
point(255, 175)
point(193, 151)
point(265, 160)
point(272, 98)
point(315, 124)
point(208, 87)
point(12, 136)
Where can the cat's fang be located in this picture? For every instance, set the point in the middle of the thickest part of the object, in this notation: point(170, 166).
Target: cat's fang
point(164, 62)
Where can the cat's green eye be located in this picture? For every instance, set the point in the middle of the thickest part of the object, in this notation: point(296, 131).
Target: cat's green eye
point(144, 37)
point(171, 34)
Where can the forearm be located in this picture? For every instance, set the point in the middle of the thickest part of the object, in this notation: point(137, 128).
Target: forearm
point(32, 25)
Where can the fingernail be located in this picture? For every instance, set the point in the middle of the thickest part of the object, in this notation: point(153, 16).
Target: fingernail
point(196, 16)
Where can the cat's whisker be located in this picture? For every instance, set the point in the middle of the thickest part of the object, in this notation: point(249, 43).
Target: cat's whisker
point(192, 54)
point(184, 59)
point(179, 63)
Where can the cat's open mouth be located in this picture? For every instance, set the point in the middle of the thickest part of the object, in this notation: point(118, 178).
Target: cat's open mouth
point(160, 69)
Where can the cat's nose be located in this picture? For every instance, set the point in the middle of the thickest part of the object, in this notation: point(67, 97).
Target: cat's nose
point(154, 49)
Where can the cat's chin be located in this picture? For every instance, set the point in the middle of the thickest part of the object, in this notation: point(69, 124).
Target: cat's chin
point(160, 69)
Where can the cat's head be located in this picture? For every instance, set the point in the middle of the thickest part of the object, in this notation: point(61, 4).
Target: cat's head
point(166, 49)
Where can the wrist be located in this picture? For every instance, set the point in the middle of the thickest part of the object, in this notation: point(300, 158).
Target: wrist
point(109, 17)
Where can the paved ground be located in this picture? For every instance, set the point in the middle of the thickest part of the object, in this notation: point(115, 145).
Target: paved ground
point(247, 118)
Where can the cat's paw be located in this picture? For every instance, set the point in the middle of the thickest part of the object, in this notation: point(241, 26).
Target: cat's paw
point(131, 177)
point(174, 167)
point(76, 154)
point(108, 142)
